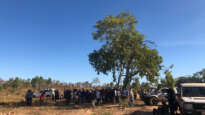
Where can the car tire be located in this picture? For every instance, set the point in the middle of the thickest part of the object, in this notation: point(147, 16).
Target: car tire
point(154, 101)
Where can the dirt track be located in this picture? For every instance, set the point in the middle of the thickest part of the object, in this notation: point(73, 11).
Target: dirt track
point(108, 109)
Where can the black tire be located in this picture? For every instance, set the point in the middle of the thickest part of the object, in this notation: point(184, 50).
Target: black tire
point(154, 101)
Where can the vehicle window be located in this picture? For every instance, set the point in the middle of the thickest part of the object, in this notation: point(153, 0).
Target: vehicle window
point(193, 91)
point(164, 90)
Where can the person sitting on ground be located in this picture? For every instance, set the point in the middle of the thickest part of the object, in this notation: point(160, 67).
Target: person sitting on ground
point(28, 97)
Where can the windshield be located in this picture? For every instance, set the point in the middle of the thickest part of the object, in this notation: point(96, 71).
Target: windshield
point(164, 90)
point(193, 91)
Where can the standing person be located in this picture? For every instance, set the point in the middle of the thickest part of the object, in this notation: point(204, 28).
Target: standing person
point(79, 96)
point(83, 96)
point(98, 96)
point(131, 97)
point(28, 97)
point(118, 96)
point(42, 97)
point(69, 95)
point(75, 96)
point(172, 101)
point(93, 98)
point(115, 96)
point(53, 94)
point(126, 92)
point(56, 95)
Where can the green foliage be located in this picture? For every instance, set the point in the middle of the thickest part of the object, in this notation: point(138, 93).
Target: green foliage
point(144, 85)
point(163, 83)
point(124, 52)
point(16, 83)
point(136, 85)
point(39, 82)
point(170, 82)
point(198, 77)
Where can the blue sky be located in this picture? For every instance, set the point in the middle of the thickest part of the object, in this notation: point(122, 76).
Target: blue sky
point(53, 38)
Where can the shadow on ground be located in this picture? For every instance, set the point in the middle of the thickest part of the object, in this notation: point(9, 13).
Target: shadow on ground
point(58, 104)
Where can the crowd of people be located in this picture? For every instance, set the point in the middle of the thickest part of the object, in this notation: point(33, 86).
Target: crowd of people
point(53, 94)
point(93, 96)
point(108, 95)
point(97, 96)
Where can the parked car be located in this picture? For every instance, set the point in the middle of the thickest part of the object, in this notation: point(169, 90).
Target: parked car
point(48, 93)
point(154, 96)
point(191, 98)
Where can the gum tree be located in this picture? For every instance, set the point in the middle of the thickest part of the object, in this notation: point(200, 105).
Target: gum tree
point(124, 52)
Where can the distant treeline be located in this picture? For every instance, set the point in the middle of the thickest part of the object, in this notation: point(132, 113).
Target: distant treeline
point(39, 82)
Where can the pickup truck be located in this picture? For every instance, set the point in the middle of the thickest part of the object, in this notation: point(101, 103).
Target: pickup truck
point(191, 98)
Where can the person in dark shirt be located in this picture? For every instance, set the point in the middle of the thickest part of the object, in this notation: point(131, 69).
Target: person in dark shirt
point(28, 97)
point(172, 101)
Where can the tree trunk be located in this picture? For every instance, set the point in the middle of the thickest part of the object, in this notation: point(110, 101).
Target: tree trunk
point(127, 79)
point(119, 78)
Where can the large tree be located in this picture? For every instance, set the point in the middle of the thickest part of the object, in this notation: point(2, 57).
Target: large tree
point(124, 51)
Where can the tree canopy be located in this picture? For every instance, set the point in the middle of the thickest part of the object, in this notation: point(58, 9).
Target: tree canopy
point(124, 51)
point(169, 80)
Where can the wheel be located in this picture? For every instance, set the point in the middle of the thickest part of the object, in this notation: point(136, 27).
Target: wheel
point(154, 101)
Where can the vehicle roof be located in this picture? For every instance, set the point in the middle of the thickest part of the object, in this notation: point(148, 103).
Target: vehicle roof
point(193, 84)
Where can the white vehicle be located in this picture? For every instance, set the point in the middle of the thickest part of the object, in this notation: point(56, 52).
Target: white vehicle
point(191, 98)
point(154, 96)
point(48, 93)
